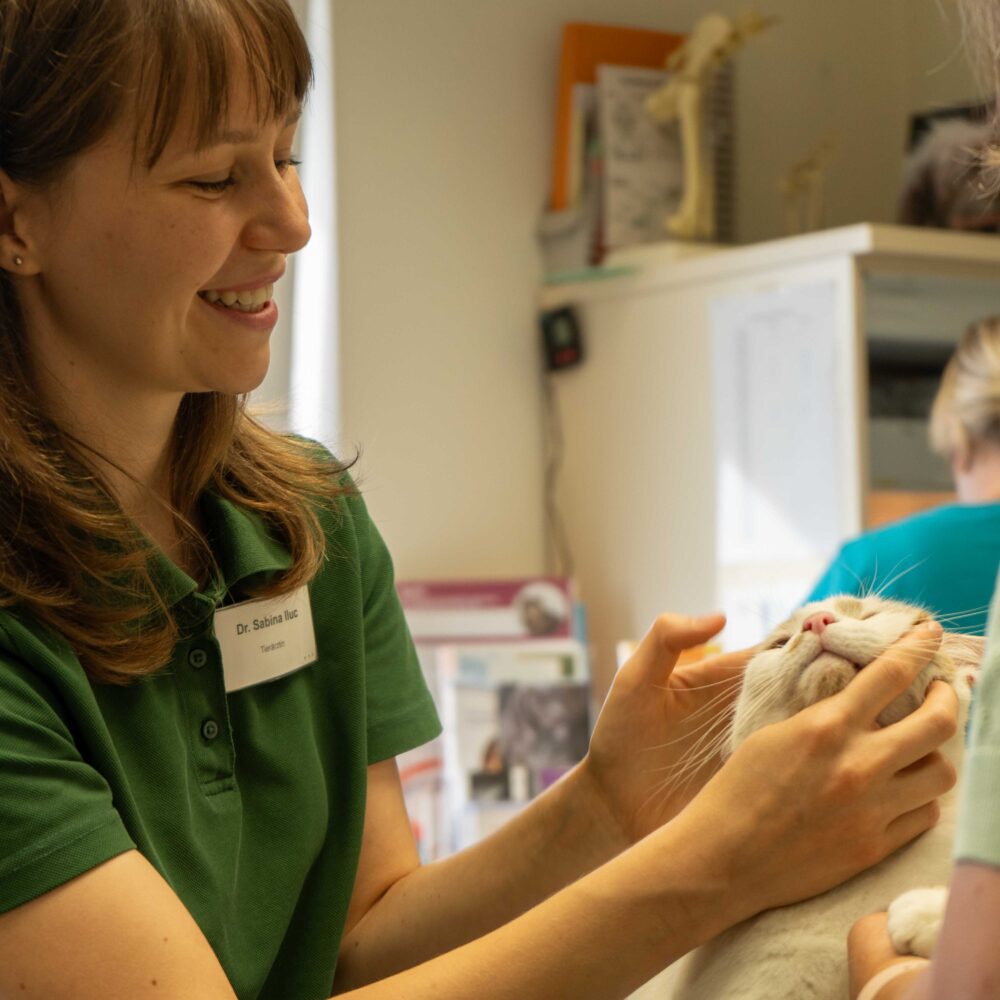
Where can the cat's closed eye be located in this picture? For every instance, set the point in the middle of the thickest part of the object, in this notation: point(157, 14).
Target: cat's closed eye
point(778, 642)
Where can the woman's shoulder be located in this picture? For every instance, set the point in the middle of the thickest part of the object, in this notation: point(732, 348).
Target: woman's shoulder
point(945, 522)
point(335, 490)
point(23, 638)
point(36, 665)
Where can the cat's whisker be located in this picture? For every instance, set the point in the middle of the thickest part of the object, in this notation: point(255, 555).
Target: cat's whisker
point(764, 690)
point(720, 725)
point(683, 773)
point(864, 586)
point(680, 780)
point(676, 777)
point(709, 707)
point(871, 586)
point(718, 722)
point(957, 616)
point(899, 576)
point(673, 787)
point(878, 591)
point(708, 747)
point(735, 679)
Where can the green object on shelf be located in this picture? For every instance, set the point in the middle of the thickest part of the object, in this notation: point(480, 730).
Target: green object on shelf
point(586, 274)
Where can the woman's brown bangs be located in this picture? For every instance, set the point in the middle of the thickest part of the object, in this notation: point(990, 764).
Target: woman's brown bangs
point(190, 53)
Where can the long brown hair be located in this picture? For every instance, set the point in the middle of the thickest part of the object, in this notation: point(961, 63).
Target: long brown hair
point(69, 558)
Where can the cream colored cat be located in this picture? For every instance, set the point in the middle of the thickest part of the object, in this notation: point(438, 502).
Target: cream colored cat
point(799, 951)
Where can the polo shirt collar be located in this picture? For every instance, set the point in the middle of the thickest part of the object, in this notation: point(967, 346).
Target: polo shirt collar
point(241, 541)
point(241, 544)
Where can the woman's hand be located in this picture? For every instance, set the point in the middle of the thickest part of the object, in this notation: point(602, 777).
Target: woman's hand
point(804, 804)
point(657, 739)
point(869, 951)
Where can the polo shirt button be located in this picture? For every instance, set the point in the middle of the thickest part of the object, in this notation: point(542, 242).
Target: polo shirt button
point(197, 658)
point(209, 729)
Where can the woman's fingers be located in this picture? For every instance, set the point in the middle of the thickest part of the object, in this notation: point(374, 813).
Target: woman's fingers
point(920, 783)
point(888, 676)
point(908, 741)
point(911, 824)
point(668, 637)
point(868, 949)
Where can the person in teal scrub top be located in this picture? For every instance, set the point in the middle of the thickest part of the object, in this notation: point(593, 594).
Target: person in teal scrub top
point(966, 961)
point(944, 559)
point(205, 674)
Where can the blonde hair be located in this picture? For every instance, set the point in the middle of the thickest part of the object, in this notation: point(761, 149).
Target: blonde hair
point(966, 409)
point(69, 558)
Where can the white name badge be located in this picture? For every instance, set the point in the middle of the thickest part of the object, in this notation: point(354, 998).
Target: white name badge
point(265, 639)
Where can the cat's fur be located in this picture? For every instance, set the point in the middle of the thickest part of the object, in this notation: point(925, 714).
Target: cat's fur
point(799, 952)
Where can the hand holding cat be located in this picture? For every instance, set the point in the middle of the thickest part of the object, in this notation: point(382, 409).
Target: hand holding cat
point(655, 717)
point(966, 962)
point(806, 803)
point(870, 951)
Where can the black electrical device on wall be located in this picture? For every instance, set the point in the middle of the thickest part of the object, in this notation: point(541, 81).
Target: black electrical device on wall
point(562, 339)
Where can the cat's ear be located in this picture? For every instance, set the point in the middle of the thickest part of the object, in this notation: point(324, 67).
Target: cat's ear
point(966, 652)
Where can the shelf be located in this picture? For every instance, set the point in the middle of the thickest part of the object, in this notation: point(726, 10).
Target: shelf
point(897, 248)
point(886, 506)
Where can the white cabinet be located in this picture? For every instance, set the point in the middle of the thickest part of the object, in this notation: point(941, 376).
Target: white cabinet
point(739, 414)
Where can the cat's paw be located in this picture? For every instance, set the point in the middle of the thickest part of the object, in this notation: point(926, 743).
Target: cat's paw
point(915, 920)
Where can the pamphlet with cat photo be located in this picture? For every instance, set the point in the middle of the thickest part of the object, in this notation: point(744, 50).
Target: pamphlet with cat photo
point(479, 641)
point(516, 717)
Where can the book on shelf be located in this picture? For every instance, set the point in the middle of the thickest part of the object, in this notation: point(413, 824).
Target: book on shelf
point(642, 171)
point(585, 47)
point(502, 610)
point(507, 664)
point(516, 717)
point(618, 174)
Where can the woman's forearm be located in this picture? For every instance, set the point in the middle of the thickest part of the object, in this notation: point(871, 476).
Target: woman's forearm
point(600, 937)
point(560, 836)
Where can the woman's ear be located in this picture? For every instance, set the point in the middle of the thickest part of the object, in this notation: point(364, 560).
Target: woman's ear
point(16, 252)
point(961, 455)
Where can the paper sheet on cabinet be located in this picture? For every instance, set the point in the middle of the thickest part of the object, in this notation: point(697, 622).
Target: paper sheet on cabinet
point(778, 424)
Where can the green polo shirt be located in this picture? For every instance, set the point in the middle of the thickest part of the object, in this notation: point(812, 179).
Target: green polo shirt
point(250, 804)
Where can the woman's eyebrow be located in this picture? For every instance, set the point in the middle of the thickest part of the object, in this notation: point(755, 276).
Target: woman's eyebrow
point(234, 137)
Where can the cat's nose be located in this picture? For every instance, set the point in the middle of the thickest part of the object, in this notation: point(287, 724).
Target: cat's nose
point(818, 622)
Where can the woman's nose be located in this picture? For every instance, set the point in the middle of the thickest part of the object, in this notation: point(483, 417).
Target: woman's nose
point(818, 622)
point(284, 223)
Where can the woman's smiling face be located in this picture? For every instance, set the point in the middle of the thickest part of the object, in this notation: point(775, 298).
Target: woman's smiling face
point(129, 290)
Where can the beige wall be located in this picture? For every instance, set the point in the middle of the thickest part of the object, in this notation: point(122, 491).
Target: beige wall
point(444, 112)
point(937, 72)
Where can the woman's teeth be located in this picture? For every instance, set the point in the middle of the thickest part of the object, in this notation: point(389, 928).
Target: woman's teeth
point(251, 300)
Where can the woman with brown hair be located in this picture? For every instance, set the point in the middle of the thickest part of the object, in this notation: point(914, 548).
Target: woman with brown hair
point(204, 671)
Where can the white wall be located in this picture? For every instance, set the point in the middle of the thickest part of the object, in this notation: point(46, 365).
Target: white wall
point(444, 111)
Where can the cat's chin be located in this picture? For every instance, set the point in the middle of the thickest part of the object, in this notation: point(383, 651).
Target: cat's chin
point(827, 675)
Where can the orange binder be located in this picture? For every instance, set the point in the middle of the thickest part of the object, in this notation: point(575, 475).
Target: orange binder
point(584, 48)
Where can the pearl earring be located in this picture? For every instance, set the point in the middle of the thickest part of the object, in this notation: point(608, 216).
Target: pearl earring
point(18, 260)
